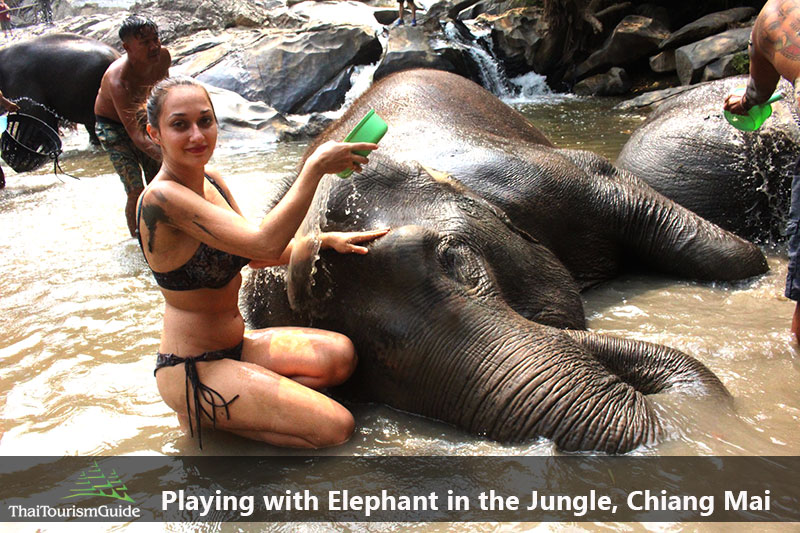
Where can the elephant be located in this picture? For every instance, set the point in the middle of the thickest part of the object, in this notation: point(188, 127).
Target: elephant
point(60, 72)
point(469, 310)
point(739, 180)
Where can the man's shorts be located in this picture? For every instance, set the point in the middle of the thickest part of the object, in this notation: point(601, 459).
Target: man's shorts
point(793, 232)
point(128, 160)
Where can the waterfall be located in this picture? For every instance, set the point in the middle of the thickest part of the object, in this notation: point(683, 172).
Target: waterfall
point(493, 76)
point(525, 88)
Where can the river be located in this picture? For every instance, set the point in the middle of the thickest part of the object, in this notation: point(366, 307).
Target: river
point(80, 321)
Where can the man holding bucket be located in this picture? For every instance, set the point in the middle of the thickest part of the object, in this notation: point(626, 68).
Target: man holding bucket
point(775, 53)
point(125, 84)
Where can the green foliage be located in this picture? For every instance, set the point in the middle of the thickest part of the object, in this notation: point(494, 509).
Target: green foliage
point(741, 63)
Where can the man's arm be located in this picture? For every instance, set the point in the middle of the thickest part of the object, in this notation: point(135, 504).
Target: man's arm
point(127, 111)
point(8, 104)
point(764, 76)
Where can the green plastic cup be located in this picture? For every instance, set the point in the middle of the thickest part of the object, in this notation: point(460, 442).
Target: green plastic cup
point(369, 129)
point(755, 116)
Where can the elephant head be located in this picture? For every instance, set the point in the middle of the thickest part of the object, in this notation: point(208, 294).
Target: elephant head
point(469, 310)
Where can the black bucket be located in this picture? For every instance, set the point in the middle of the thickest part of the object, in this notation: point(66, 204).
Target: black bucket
point(28, 143)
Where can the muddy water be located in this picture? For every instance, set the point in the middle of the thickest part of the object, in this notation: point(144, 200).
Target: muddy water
point(80, 318)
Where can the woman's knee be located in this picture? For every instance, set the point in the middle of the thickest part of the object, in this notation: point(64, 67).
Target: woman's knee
point(336, 431)
point(327, 432)
point(340, 355)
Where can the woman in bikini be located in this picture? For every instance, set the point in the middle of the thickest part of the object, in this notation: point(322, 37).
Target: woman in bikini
point(258, 384)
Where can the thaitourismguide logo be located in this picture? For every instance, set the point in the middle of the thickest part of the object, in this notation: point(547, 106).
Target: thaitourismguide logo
point(91, 483)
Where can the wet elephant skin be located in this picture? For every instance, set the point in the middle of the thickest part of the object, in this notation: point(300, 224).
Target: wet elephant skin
point(469, 310)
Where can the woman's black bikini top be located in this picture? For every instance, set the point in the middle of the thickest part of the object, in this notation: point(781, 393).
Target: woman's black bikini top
point(208, 268)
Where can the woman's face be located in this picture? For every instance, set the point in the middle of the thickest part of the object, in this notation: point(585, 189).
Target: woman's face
point(187, 130)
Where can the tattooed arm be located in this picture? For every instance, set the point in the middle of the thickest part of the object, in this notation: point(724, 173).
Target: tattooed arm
point(774, 52)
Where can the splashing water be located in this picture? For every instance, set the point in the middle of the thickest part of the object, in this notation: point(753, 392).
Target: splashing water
point(305, 249)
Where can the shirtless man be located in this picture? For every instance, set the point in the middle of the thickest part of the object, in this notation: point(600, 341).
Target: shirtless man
point(775, 53)
point(125, 85)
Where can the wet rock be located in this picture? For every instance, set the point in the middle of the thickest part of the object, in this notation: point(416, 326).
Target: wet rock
point(490, 7)
point(706, 26)
point(651, 99)
point(407, 48)
point(611, 83)
point(517, 37)
point(726, 66)
point(297, 131)
point(690, 60)
point(613, 14)
point(235, 112)
point(285, 68)
point(634, 38)
point(446, 9)
point(663, 61)
point(329, 97)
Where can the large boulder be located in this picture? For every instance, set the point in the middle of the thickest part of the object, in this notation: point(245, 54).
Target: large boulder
point(408, 47)
point(342, 12)
point(517, 36)
point(286, 68)
point(663, 61)
point(706, 26)
point(234, 113)
point(635, 38)
point(690, 60)
point(180, 18)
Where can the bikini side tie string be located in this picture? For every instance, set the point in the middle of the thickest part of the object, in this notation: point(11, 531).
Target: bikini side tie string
point(206, 393)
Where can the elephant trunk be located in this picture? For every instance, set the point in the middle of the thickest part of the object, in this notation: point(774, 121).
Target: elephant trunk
point(651, 368)
point(581, 390)
point(661, 234)
point(670, 238)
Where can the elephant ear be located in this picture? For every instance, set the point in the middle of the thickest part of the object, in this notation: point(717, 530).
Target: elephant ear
point(531, 280)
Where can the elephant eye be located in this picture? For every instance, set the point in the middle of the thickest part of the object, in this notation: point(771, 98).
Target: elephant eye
point(461, 263)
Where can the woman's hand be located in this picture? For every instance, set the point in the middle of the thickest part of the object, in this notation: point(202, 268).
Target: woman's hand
point(345, 242)
point(333, 157)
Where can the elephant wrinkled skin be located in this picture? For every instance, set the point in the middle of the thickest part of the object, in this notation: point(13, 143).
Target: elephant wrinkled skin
point(469, 310)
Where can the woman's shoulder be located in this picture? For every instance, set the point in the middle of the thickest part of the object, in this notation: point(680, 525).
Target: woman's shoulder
point(214, 176)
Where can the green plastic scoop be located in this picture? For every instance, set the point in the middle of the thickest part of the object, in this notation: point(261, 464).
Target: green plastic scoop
point(755, 116)
point(370, 129)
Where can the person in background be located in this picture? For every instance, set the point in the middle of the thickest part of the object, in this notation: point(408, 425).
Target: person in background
point(123, 87)
point(5, 19)
point(775, 53)
point(400, 14)
point(262, 384)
